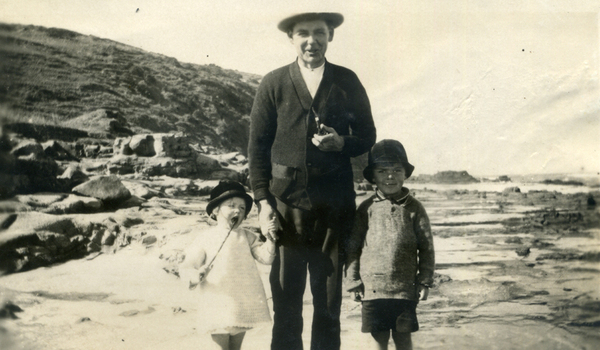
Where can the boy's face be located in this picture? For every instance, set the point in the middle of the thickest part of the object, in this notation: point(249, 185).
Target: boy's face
point(389, 178)
point(231, 212)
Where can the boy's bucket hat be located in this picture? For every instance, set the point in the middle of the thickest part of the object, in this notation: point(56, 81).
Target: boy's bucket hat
point(227, 189)
point(331, 18)
point(387, 151)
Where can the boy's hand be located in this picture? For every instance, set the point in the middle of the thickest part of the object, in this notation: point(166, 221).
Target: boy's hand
point(359, 292)
point(423, 292)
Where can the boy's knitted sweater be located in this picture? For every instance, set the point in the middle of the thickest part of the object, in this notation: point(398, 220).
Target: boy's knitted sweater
point(390, 249)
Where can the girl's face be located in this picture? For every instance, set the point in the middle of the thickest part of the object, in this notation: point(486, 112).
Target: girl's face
point(231, 212)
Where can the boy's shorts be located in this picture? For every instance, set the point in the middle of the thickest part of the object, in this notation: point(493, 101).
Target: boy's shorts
point(381, 315)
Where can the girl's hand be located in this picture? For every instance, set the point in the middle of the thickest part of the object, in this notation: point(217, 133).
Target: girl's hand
point(272, 228)
point(203, 272)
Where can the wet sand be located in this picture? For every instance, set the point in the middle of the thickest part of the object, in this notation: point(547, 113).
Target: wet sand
point(486, 295)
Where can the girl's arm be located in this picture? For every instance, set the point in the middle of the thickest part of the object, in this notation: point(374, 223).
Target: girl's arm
point(263, 252)
point(195, 258)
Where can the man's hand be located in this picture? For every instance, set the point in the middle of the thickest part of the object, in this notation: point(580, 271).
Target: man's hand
point(267, 219)
point(330, 142)
point(423, 292)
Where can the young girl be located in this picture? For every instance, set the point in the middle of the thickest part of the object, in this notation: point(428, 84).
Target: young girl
point(231, 295)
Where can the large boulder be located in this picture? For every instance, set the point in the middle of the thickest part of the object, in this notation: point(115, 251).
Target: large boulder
point(109, 189)
point(33, 170)
point(142, 145)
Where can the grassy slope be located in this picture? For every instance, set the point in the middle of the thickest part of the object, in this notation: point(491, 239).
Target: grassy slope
point(52, 75)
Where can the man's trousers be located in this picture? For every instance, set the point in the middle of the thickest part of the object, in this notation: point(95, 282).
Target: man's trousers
point(311, 241)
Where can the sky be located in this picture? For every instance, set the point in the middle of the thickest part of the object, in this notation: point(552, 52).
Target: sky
point(491, 87)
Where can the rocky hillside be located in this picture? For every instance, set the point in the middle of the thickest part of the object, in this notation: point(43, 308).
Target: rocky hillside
point(58, 77)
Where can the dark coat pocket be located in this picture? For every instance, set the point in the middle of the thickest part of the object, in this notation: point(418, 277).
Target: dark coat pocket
point(283, 178)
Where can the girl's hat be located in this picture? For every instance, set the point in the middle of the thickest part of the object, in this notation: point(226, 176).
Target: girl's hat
point(227, 189)
point(387, 151)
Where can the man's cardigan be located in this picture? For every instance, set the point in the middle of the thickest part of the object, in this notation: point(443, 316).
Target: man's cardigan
point(283, 161)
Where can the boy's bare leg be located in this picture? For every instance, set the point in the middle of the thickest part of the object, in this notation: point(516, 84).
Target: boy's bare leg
point(403, 341)
point(222, 339)
point(380, 340)
point(235, 341)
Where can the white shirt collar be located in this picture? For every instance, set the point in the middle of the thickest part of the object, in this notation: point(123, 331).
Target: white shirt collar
point(312, 77)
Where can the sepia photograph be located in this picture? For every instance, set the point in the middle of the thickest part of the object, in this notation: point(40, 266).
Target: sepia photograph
point(324, 175)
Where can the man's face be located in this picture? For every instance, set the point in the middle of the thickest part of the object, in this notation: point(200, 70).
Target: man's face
point(389, 178)
point(310, 39)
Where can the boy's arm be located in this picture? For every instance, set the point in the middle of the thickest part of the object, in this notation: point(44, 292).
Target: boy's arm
point(425, 247)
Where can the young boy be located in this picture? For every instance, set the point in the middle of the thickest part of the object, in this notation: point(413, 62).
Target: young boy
point(390, 256)
point(219, 266)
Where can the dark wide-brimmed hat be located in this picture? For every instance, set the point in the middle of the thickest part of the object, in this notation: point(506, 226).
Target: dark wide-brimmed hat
point(387, 152)
point(331, 18)
point(224, 190)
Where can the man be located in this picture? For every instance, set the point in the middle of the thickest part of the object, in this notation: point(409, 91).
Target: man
point(307, 120)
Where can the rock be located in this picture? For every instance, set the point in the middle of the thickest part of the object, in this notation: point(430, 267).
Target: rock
point(591, 202)
point(40, 200)
point(149, 240)
point(524, 251)
point(133, 201)
point(510, 190)
point(33, 170)
point(75, 204)
point(102, 123)
point(6, 220)
point(91, 151)
point(223, 174)
point(72, 176)
point(108, 239)
point(171, 145)
point(109, 189)
point(513, 240)
point(56, 151)
point(121, 146)
point(8, 310)
point(142, 145)
point(140, 190)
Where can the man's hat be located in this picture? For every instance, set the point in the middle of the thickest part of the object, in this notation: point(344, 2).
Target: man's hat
point(387, 151)
point(227, 189)
point(331, 18)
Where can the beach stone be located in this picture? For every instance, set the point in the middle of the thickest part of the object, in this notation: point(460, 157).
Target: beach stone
point(75, 204)
point(56, 151)
point(149, 240)
point(142, 145)
point(109, 189)
point(524, 251)
point(73, 176)
point(121, 146)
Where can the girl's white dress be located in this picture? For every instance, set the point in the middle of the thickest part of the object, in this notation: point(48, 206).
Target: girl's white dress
point(233, 296)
